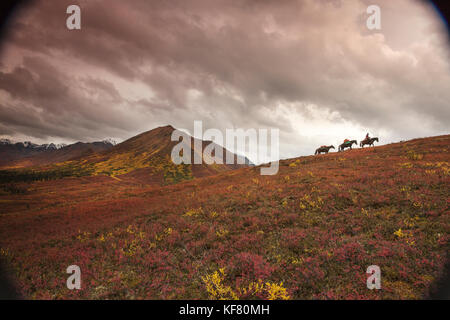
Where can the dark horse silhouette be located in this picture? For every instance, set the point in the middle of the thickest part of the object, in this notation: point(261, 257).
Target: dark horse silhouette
point(323, 149)
point(369, 141)
point(347, 144)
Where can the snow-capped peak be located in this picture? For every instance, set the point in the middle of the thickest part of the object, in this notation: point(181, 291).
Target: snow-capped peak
point(31, 145)
point(53, 146)
point(109, 141)
point(5, 141)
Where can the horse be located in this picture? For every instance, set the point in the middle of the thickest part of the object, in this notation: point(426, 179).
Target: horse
point(368, 141)
point(323, 149)
point(347, 144)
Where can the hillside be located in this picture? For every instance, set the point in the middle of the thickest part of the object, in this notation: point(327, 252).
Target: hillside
point(144, 159)
point(309, 232)
point(24, 155)
point(147, 156)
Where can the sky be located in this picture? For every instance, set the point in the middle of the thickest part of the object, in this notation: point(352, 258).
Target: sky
point(310, 68)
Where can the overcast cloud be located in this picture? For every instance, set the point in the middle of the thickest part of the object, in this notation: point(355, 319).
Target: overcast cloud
point(310, 68)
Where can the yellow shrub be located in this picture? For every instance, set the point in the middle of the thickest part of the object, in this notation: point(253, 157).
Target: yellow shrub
point(276, 291)
point(399, 233)
point(221, 232)
point(215, 287)
point(219, 291)
point(193, 212)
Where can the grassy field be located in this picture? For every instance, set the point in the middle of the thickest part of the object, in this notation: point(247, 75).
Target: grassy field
point(309, 232)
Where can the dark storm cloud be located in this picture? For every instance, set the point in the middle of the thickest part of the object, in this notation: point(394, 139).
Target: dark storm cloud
point(286, 64)
point(45, 102)
point(35, 80)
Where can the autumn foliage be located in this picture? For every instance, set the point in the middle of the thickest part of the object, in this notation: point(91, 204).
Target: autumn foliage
point(309, 232)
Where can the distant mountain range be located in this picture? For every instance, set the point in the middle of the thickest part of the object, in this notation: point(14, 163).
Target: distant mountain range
point(144, 158)
point(30, 145)
point(28, 154)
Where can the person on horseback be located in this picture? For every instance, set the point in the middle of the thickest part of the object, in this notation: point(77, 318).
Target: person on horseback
point(346, 140)
point(367, 138)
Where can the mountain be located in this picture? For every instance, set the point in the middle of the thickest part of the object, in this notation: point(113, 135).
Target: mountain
point(28, 154)
point(32, 146)
point(145, 158)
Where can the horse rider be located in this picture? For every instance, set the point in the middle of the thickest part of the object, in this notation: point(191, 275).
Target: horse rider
point(367, 137)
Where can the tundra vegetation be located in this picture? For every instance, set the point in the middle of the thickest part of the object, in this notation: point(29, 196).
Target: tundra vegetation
point(309, 232)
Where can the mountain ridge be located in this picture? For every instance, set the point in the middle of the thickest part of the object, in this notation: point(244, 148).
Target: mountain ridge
point(149, 154)
point(28, 154)
point(143, 158)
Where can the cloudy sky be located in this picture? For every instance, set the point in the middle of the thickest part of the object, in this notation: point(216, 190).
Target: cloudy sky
point(310, 68)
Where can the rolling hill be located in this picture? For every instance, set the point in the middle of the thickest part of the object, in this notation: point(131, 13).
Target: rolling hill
point(148, 155)
point(309, 232)
point(144, 158)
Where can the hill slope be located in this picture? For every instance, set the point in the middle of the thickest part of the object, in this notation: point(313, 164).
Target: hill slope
point(145, 158)
point(151, 150)
point(309, 232)
point(23, 155)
